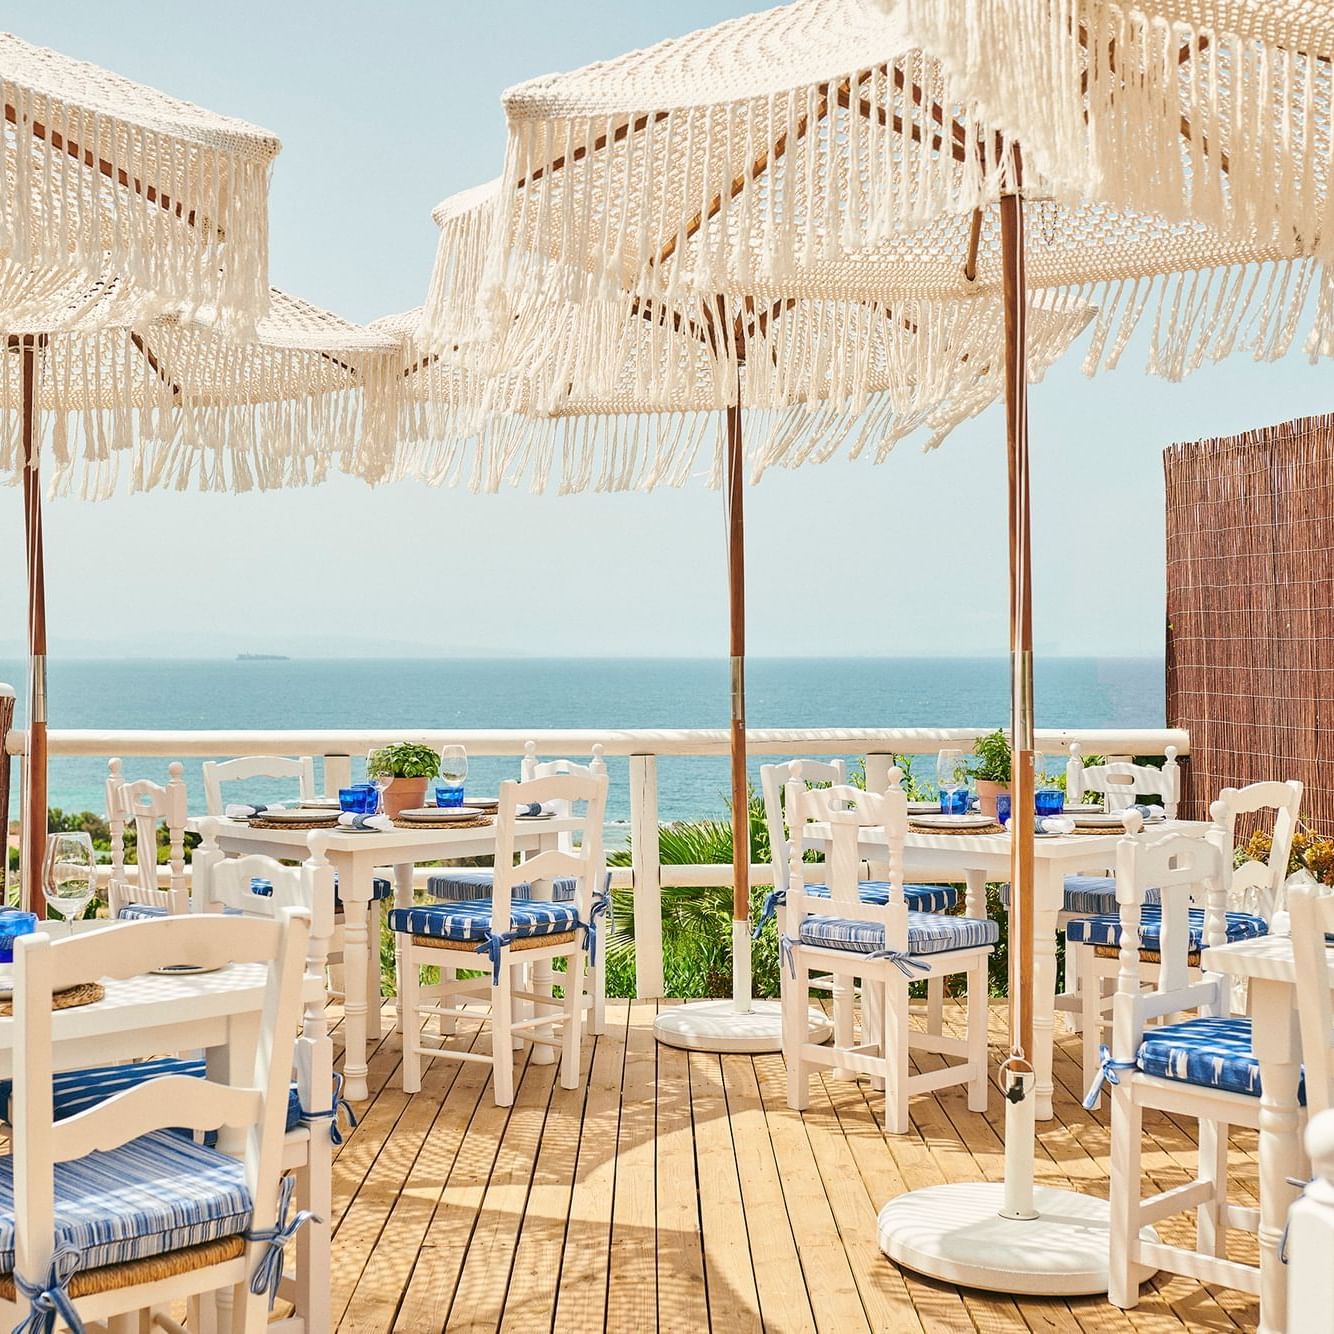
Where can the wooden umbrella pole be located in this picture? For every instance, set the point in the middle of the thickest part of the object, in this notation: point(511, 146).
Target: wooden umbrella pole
point(34, 767)
point(736, 597)
point(1021, 629)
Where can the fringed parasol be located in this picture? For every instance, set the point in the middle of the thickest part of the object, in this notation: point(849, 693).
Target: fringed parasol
point(104, 178)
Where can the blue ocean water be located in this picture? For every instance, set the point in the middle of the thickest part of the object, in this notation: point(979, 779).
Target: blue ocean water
point(608, 693)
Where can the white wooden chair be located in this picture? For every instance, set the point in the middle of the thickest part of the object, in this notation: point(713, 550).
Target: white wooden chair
point(185, 1221)
point(247, 768)
point(1201, 1067)
point(456, 884)
point(1311, 908)
point(1252, 892)
point(509, 930)
point(1311, 1221)
point(133, 892)
point(885, 946)
point(1123, 782)
point(774, 779)
point(230, 885)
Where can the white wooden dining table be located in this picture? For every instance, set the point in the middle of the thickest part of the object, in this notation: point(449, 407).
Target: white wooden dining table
point(986, 857)
point(355, 855)
point(1267, 963)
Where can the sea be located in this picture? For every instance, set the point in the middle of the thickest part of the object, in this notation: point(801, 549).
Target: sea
point(567, 693)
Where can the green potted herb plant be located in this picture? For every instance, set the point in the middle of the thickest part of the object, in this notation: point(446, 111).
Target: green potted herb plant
point(409, 766)
point(993, 770)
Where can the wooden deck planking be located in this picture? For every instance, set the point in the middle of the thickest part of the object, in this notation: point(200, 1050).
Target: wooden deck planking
point(678, 1192)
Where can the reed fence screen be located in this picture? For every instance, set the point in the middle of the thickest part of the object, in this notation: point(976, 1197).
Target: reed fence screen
point(1250, 606)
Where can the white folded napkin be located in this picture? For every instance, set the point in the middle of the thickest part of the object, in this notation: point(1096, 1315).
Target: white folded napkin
point(351, 821)
point(1057, 824)
point(238, 810)
point(536, 808)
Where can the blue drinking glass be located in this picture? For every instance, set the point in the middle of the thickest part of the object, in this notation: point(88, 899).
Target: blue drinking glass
point(13, 924)
point(1050, 801)
point(1002, 807)
point(448, 794)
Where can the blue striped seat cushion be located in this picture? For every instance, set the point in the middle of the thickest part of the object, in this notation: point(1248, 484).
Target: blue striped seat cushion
point(462, 886)
point(74, 1091)
point(919, 898)
point(381, 889)
point(1106, 929)
point(1211, 1051)
point(458, 885)
point(140, 912)
point(470, 919)
point(928, 933)
point(158, 1193)
point(1088, 894)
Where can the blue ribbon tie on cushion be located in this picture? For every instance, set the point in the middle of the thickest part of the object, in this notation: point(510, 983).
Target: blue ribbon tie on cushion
point(331, 1114)
point(1107, 1069)
point(268, 1273)
point(904, 962)
point(601, 904)
point(50, 1301)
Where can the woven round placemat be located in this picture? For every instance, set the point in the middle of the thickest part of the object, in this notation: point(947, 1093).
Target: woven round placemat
point(151, 1268)
point(523, 943)
point(480, 823)
point(86, 993)
point(992, 828)
point(259, 822)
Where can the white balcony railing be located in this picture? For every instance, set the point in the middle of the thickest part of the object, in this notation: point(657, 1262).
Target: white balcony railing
point(641, 747)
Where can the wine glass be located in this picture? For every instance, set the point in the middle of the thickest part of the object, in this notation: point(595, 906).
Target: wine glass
point(951, 778)
point(69, 874)
point(380, 782)
point(453, 772)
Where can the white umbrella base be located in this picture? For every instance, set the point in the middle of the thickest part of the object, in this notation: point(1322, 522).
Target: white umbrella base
point(955, 1233)
point(720, 1027)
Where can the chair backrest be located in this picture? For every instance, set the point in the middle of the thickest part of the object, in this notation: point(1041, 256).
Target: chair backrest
point(1253, 886)
point(244, 1095)
point(532, 768)
point(1312, 913)
point(849, 813)
point(585, 798)
point(1123, 783)
point(143, 804)
point(1187, 871)
point(774, 780)
point(218, 772)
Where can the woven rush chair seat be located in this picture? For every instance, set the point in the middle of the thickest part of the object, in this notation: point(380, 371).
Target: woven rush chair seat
point(75, 1091)
point(1211, 1051)
point(928, 933)
point(158, 1193)
point(1093, 894)
point(1105, 930)
point(469, 921)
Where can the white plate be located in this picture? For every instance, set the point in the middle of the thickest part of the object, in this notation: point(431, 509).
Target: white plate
point(953, 821)
point(438, 813)
point(924, 808)
point(1102, 820)
point(1085, 808)
point(320, 804)
point(6, 980)
point(184, 969)
point(541, 815)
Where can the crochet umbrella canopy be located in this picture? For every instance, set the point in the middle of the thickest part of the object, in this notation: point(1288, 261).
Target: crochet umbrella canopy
point(753, 153)
point(620, 390)
point(104, 178)
point(179, 403)
point(1215, 111)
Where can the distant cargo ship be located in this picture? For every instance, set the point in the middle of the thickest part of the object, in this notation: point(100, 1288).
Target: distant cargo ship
point(262, 657)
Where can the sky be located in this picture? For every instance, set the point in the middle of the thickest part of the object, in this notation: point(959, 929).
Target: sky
point(383, 111)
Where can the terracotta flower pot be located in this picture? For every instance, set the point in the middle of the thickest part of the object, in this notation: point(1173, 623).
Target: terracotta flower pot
point(987, 794)
point(404, 794)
